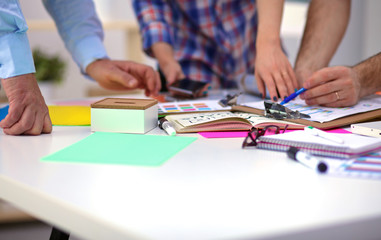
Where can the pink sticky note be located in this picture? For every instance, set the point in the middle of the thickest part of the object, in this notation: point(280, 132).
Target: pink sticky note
point(235, 134)
point(75, 102)
point(238, 134)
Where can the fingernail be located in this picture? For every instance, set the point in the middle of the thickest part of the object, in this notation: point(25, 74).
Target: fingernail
point(296, 89)
point(275, 99)
point(261, 95)
point(204, 93)
point(132, 83)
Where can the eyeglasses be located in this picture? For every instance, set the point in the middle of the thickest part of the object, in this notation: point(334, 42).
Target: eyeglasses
point(255, 133)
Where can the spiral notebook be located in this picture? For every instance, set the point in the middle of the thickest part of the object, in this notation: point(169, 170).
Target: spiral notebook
point(353, 146)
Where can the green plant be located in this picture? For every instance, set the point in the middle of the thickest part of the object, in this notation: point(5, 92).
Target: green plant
point(48, 68)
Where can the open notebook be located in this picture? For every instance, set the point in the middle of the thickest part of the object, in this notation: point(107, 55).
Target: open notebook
point(224, 121)
point(353, 146)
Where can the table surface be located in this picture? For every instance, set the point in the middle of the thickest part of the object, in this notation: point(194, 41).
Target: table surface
point(212, 189)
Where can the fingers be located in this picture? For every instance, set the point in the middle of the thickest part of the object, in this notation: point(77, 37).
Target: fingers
point(278, 84)
point(260, 85)
point(333, 87)
point(47, 126)
point(32, 121)
point(281, 84)
point(274, 71)
point(332, 99)
point(293, 84)
point(172, 72)
point(325, 75)
point(14, 114)
point(27, 109)
point(148, 78)
point(124, 75)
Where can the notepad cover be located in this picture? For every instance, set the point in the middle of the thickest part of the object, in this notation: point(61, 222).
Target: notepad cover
point(369, 128)
point(354, 145)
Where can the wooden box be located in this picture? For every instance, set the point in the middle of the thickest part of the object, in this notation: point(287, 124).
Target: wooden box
point(124, 115)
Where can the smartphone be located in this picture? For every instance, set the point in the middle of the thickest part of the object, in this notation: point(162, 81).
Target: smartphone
point(189, 88)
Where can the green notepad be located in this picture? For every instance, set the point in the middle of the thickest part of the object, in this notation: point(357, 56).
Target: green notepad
point(121, 148)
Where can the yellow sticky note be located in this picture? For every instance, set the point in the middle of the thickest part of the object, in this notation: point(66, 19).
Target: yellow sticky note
point(70, 115)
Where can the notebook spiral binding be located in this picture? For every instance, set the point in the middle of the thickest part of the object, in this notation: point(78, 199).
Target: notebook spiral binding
point(315, 149)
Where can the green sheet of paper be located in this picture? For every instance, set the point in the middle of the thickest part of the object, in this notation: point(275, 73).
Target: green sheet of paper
point(120, 148)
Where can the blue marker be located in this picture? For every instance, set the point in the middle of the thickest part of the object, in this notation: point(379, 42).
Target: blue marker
point(293, 95)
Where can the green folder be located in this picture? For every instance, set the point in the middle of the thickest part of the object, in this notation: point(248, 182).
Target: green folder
point(121, 148)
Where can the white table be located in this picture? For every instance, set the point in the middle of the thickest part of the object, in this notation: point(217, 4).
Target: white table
point(210, 190)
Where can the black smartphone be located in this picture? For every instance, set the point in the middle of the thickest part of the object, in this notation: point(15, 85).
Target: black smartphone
point(189, 88)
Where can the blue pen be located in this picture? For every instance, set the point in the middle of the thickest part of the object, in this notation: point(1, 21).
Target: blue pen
point(293, 95)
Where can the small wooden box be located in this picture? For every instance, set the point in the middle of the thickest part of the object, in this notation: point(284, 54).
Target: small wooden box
point(125, 115)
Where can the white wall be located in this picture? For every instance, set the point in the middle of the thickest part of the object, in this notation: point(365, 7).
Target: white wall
point(371, 28)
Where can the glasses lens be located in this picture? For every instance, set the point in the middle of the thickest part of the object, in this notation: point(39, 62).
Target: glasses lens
point(271, 130)
point(250, 139)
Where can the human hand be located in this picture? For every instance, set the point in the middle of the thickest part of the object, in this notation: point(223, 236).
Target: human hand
point(28, 113)
point(172, 71)
point(124, 75)
point(302, 75)
point(332, 87)
point(274, 71)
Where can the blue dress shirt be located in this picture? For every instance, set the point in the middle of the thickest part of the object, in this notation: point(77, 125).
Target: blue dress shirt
point(78, 26)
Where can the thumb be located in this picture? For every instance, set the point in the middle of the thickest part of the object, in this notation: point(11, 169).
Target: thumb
point(125, 79)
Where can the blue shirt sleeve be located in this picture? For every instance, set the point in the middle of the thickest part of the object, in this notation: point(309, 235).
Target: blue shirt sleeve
point(15, 54)
point(80, 29)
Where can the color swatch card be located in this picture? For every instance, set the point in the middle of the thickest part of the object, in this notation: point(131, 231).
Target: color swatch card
point(190, 106)
point(367, 166)
point(120, 148)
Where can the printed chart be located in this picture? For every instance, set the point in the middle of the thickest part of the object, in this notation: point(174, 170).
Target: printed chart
point(190, 106)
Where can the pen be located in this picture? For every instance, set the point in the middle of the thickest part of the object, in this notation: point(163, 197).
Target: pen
point(322, 134)
point(167, 127)
point(293, 95)
point(307, 160)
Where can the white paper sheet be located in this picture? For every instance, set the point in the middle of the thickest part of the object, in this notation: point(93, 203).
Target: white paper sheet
point(325, 114)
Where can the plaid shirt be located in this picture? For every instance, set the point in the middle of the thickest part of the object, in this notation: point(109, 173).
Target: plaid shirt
point(213, 40)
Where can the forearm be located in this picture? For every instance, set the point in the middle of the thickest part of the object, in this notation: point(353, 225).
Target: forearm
point(163, 52)
point(269, 22)
point(325, 27)
point(368, 73)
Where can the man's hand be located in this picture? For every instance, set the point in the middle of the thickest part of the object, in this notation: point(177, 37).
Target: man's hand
point(274, 71)
point(325, 27)
point(333, 87)
point(124, 75)
point(28, 113)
